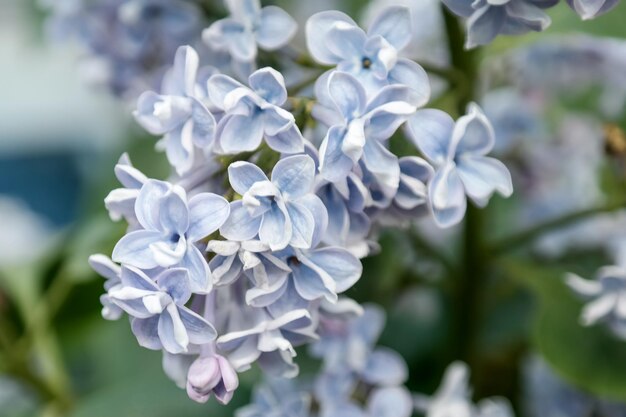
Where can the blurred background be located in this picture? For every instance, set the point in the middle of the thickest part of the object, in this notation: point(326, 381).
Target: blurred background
point(556, 100)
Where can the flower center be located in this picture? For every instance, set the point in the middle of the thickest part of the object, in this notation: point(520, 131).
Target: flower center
point(366, 62)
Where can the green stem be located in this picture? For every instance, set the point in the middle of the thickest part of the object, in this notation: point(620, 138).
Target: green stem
point(471, 277)
point(520, 239)
point(463, 61)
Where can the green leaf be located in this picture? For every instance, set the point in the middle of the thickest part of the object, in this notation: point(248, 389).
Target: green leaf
point(588, 357)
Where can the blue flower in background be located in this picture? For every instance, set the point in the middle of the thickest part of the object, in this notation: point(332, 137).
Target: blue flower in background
point(109, 270)
point(458, 152)
point(127, 42)
point(360, 127)
point(607, 298)
point(453, 398)
point(381, 402)
point(333, 38)
point(277, 397)
point(247, 27)
point(281, 211)
point(589, 9)
point(170, 226)
point(160, 319)
point(254, 113)
point(487, 19)
point(177, 113)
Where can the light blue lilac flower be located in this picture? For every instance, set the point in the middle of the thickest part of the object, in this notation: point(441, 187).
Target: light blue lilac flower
point(170, 225)
point(248, 27)
point(453, 398)
point(121, 201)
point(348, 225)
point(211, 375)
point(177, 113)
point(360, 127)
point(281, 211)
point(411, 200)
point(333, 38)
point(109, 270)
point(487, 19)
point(252, 258)
point(160, 319)
point(254, 113)
point(458, 152)
point(314, 274)
point(589, 9)
point(254, 335)
point(607, 298)
point(277, 397)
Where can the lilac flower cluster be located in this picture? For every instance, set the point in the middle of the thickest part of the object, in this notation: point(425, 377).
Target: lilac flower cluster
point(127, 43)
point(242, 254)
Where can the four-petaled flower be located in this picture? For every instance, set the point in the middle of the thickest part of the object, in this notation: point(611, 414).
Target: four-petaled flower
point(170, 226)
point(254, 113)
point(281, 211)
point(160, 318)
point(360, 126)
point(458, 153)
point(333, 38)
point(178, 113)
point(247, 26)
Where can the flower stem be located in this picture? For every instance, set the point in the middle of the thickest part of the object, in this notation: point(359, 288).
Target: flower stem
point(467, 297)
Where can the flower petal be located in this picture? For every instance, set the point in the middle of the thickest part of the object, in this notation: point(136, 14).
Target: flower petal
point(239, 133)
point(294, 176)
point(393, 24)
point(207, 213)
point(276, 28)
point(334, 164)
point(200, 278)
point(269, 84)
point(146, 332)
point(317, 28)
point(431, 131)
point(482, 176)
point(276, 229)
point(447, 197)
point(348, 94)
point(134, 249)
point(240, 226)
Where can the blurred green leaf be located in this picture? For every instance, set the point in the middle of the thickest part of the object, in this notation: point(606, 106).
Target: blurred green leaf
point(119, 378)
point(589, 357)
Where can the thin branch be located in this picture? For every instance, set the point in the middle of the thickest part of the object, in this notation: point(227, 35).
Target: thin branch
point(522, 238)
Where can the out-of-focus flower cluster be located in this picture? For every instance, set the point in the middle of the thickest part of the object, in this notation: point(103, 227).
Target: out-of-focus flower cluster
point(241, 255)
